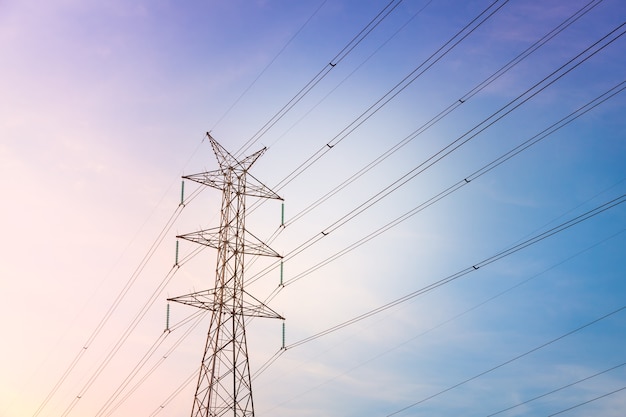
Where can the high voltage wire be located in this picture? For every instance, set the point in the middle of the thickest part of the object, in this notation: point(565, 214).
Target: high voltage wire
point(497, 74)
point(272, 359)
point(267, 364)
point(475, 266)
point(468, 179)
point(561, 388)
point(275, 355)
point(197, 318)
point(269, 64)
point(505, 110)
point(264, 368)
point(482, 126)
point(82, 351)
point(589, 401)
point(349, 75)
point(472, 268)
point(463, 313)
point(523, 55)
point(190, 378)
point(397, 89)
point(339, 57)
point(129, 329)
point(180, 388)
point(120, 296)
point(356, 40)
point(144, 359)
point(528, 352)
point(135, 275)
point(111, 309)
point(574, 17)
point(118, 345)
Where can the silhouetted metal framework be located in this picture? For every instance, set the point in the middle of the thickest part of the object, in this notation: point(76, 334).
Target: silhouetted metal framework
point(224, 384)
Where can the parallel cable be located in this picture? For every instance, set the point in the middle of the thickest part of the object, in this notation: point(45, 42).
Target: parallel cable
point(589, 401)
point(173, 395)
point(482, 126)
point(117, 301)
point(267, 364)
point(349, 75)
point(118, 345)
point(443, 113)
point(198, 317)
point(390, 7)
point(472, 268)
point(144, 359)
point(397, 89)
point(111, 309)
point(295, 35)
point(190, 378)
point(126, 334)
point(465, 312)
point(454, 145)
point(468, 179)
point(558, 389)
point(543, 345)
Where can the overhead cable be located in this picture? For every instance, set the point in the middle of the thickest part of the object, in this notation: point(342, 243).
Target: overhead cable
point(470, 178)
point(197, 318)
point(453, 106)
point(468, 310)
point(358, 38)
point(589, 401)
point(524, 97)
point(129, 329)
point(472, 268)
point(269, 64)
point(397, 89)
point(561, 388)
point(576, 330)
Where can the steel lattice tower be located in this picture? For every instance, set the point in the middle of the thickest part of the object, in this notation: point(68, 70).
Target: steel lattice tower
point(224, 383)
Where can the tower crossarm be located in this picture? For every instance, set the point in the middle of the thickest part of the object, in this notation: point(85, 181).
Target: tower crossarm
point(211, 238)
point(206, 300)
point(216, 179)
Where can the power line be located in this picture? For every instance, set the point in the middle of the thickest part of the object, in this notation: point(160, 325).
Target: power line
point(576, 330)
point(561, 388)
point(357, 68)
point(448, 46)
point(120, 296)
point(356, 40)
point(453, 318)
point(468, 179)
point(128, 331)
point(111, 310)
point(295, 35)
point(589, 401)
point(197, 318)
point(503, 111)
point(472, 268)
point(136, 320)
point(453, 106)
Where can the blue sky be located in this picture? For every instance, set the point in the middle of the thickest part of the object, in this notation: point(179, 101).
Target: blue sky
point(106, 104)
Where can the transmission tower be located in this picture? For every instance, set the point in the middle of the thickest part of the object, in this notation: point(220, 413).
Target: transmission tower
point(224, 383)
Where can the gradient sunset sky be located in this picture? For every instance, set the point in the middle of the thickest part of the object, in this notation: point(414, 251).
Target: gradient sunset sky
point(479, 269)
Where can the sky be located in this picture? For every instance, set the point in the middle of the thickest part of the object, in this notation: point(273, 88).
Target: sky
point(476, 270)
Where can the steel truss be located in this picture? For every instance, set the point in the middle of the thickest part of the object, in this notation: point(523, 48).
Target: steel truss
point(224, 383)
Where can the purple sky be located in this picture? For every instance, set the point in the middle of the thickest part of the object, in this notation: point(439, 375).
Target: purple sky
point(105, 106)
